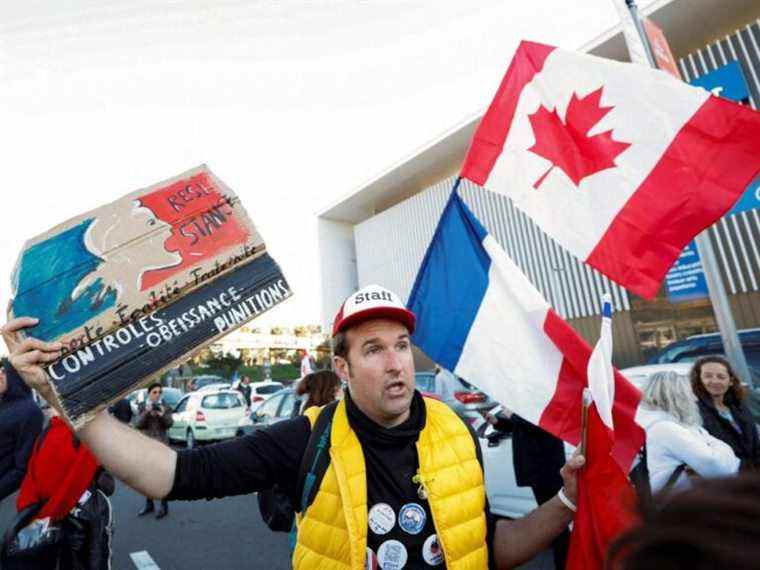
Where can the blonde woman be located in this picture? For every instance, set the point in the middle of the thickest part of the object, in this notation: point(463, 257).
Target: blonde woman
point(677, 445)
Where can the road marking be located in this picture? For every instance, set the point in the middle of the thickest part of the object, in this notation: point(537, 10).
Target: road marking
point(143, 560)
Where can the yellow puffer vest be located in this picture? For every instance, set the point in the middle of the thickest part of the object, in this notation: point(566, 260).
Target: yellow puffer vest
point(333, 532)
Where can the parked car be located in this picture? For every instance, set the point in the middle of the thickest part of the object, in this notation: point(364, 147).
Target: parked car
point(171, 396)
point(207, 415)
point(136, 398)
point(464, 398)
point(203, 380)
point(693, 347)
point(638, 375)
point(505, 498)
point(260, 391)
point(214, 386)
point(275, 408)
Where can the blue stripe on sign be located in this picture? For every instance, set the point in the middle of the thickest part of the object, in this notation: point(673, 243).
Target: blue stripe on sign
point(450, 284)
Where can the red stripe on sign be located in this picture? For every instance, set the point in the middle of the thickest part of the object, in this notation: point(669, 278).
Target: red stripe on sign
point(488, 141)
point(562, 416)
point(702, 174)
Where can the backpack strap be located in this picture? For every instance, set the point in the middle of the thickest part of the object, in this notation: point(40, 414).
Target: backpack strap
point(674, 477)
point(315, 459)
point(639, 476)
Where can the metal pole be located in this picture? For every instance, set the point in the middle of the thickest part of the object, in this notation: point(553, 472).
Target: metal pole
point(633, 9)
point(732, 346)
point(721, 307)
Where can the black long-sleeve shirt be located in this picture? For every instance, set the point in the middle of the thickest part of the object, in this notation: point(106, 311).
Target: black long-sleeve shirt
point(243, 465)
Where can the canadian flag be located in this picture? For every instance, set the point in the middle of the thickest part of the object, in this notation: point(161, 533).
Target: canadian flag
point(621, 164)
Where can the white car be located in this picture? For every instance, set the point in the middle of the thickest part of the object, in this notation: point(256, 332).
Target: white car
point(214, 387)
point(207, 416)
point(260, 391)
point(638, 375)
point(505, 497)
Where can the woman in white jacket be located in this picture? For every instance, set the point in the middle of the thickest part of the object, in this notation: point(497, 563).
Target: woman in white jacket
point(675, 436)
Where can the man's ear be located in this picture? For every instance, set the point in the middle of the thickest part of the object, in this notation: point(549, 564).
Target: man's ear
point(341, 367)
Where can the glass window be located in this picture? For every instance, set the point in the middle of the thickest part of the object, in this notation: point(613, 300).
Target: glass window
point(269, 408)
point(268, 389)
point(466, 386)
point(220, 401)
point(425, 382)
point(286, 409)
point(182, 405)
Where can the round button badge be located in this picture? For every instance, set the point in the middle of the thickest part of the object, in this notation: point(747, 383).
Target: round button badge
point(432, 551)
point(381, 518)
point(411, 518)
point(391, 555)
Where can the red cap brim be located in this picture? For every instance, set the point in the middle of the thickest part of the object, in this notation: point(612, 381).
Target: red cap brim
point(404, 316)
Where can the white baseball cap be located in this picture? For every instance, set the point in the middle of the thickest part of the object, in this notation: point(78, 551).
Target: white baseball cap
point(372, 302)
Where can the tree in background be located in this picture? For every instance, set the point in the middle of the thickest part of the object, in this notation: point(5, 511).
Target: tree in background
point(224, 364)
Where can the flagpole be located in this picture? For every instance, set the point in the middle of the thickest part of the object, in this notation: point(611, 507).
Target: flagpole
point(732, 347)
point(587, 400)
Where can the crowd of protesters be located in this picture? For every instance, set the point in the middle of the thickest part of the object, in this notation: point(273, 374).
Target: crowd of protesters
point(397, 459)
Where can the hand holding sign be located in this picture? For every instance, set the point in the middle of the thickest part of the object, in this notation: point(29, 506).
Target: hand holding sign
point(134, 287)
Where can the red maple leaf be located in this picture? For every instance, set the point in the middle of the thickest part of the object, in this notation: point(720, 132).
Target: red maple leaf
point(567, 144)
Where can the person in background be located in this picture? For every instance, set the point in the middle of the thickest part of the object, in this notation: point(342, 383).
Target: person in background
point(714, 525)
point(122, 411)
point(245, 389)
point(319, 389)
point(20, 424)
point(154, 420)
point(306, 363)
point(723, 409)
point(66, 477)
point(537, 457)
point(678, 448)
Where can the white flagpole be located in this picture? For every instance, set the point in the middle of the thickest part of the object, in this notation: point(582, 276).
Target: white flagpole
point(641, 53)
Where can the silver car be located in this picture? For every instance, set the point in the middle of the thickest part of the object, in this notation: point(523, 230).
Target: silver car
point(465, 399)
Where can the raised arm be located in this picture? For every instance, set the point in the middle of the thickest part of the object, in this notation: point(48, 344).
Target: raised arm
point(142, 463)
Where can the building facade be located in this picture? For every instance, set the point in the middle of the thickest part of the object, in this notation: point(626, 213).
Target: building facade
point(379, 233)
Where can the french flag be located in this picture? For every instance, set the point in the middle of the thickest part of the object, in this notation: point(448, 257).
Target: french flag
point(606, 500)
point(480, 317)
point(622, 165)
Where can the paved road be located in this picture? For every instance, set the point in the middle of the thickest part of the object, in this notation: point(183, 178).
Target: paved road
point(207, 535)
point(220, 534)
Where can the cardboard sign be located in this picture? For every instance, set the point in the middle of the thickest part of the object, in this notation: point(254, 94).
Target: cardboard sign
point(134, 287)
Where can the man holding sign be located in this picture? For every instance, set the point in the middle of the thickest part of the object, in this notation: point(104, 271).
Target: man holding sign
point(403, 482)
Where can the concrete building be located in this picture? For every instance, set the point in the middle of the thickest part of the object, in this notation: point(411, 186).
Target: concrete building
point(380, 231)
point(256, 348)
